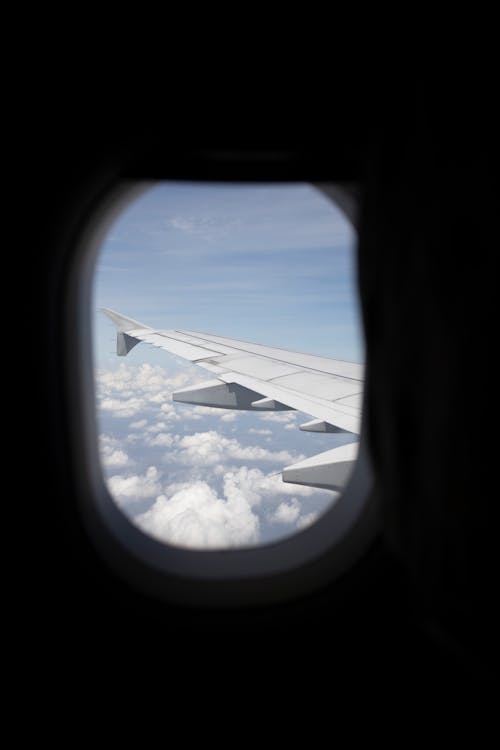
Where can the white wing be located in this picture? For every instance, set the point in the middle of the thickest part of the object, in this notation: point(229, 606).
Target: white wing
point(256, 377)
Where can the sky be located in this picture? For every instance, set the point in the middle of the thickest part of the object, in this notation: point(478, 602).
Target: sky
point(262, 263)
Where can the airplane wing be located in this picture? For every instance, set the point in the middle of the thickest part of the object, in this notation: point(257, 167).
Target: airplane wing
point(264, 378)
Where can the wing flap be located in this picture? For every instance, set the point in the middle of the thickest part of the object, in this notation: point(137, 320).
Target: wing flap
point(325, 410)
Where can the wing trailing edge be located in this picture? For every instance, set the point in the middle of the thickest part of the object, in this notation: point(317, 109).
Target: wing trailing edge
point(255, 377)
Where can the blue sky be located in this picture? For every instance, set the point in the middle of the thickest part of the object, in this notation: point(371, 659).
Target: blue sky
point(270, 264)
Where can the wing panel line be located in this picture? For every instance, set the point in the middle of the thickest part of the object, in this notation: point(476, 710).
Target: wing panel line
point(285, 361)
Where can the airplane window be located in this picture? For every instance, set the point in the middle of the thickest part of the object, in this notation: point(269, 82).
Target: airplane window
point(217, 429)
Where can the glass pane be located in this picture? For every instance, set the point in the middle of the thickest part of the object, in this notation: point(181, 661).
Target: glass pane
point(270, 264)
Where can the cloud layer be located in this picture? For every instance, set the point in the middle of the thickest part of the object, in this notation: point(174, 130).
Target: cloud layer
point(196, 517)
point(206, 489)
point(192, 514)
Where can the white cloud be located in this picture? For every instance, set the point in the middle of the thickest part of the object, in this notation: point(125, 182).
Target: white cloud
point(159, 398)
point(134, 437)
point(158, 427)
point(309, 518)
point(207, 503)
point(280, 416)
point(126, 408)
point(182, 223)
point(241, 485)
point(201, 411)
point(205, 448)
point(230, 417)
point(162, 439)
point(258, 489)
point(111, 453)
point(196, 517)
point(129, 489)
point(287, 512)
point(194, 411)
point(193, 514)
point(129, 391)
point(208, 229)
point(168, 411)
point(116, 459)
point(138, 425)
point(270, 485)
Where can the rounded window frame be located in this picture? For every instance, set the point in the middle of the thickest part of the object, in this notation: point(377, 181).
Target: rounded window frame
point(277, 571)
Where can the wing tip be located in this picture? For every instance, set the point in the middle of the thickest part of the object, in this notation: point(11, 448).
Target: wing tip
point(121, 321)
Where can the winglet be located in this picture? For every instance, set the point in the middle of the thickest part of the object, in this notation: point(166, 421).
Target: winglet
point(120, 321)
point(124, 343)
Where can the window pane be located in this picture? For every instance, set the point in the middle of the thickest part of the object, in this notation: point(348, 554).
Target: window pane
point(270, 264)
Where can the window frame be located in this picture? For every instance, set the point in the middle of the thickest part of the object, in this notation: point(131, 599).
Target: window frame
point(277, 571)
